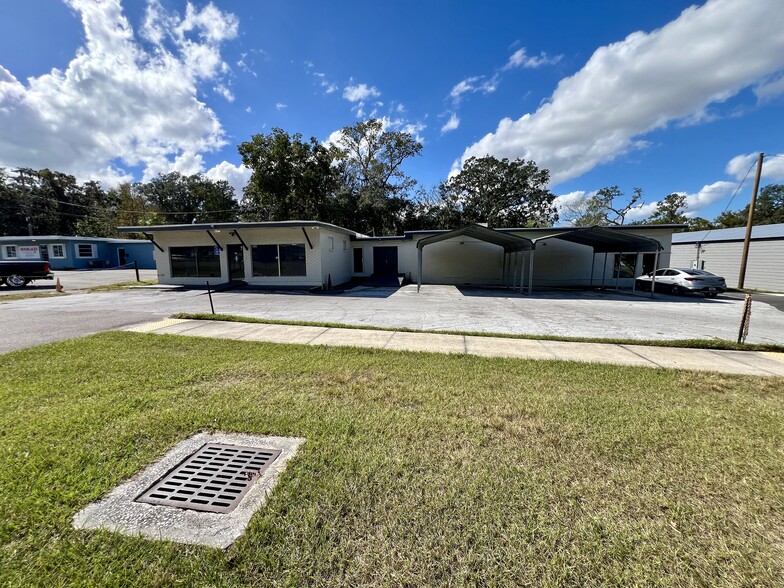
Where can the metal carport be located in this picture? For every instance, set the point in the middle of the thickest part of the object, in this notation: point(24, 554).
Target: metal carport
point(603, 240)
point(513, 245)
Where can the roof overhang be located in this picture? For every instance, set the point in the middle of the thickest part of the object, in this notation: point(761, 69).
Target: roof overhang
point(604, 240)
point(237, 226)
point(508, 242)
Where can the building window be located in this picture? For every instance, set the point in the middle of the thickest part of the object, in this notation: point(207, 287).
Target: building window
point(358, 261)
point(265, 260)
point(85, 250)
point(648, 259)
point(9, 251)
point(195, 262)
point(625, 264)
point(332, 243)
point(58, 251)
point(279, 260)
point(345, 245)
point(292, 260)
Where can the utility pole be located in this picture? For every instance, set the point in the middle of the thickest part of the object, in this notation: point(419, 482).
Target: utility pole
point(749, 222)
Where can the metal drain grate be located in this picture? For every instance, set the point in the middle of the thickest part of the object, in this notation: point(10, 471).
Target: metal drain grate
point(214, 479)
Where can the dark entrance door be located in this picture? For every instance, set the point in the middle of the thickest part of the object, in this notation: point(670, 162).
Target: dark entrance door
point(385, 261)
point(236, 262)
point(121, 256)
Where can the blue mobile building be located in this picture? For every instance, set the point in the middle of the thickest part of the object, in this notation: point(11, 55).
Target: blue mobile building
point(72, 253)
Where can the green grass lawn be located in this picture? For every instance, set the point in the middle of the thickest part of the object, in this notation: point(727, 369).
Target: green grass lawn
point(419, 469)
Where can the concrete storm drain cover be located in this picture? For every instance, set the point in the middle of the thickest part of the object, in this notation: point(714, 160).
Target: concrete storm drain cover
point(204, 491)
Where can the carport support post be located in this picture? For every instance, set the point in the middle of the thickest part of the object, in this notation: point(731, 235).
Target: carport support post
point(531, 273)
point(653, 274)
point(514, 270)
point(419, 272)
point(522, 271)
point(604, 268)
point(593, 261)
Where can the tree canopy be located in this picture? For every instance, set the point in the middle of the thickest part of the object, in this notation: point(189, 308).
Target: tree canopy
point(290, 179)
point(603, 208)
point(499, 192)
point(45, 202)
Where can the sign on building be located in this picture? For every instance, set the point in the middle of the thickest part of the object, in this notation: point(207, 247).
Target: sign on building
point(29, 252)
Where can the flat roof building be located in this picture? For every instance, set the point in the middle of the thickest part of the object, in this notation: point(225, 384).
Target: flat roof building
point(315, 254)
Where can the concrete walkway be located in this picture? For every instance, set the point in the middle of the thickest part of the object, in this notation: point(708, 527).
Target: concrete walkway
point(731, 362)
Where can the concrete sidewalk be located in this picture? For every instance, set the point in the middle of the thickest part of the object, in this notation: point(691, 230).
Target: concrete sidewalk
point(731, 362)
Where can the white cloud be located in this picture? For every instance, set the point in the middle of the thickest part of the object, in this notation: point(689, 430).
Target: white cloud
point(707, 196)
point(769, 89)
point(695, 202)
point(451, 124)
point(360, 92)
point(243, 65)
point(117, 104)
point(280, 105)
point(642, 83)
point(521, 59)
point(236, 175)
point(387, 124)
point(225, 92)
point(772, 166)
point(474, 84)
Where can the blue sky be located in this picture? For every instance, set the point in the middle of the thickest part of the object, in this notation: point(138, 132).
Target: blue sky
point(666, 96)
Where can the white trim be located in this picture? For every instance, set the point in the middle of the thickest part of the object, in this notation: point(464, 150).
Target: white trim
point(51, 250)
point(93, 254)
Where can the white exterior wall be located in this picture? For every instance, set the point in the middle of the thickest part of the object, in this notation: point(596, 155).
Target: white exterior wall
point(764, 269)
point(336, 257)
point(260, 236)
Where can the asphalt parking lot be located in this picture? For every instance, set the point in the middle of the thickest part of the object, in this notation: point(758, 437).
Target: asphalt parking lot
point(578, 314)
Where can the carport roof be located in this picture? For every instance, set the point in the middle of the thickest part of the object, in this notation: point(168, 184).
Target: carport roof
point(604, 240)
point(505, 240)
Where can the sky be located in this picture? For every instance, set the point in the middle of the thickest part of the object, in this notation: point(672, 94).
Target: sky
point(666, 96)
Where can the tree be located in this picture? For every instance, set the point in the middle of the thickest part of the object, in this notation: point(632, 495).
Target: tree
point(291, 179)
point(697, 223)
point(179, 199)
point(501, 193)
point(768, 210)
point(373, 190)
point(669, 211)
point(601, 208)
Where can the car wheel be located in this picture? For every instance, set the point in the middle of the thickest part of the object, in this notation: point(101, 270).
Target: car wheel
point(15, 281)
point(675, 290)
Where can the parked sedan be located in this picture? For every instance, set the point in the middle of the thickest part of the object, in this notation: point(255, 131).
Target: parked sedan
point(674, 280)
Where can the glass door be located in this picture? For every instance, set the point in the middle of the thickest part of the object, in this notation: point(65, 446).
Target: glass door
point(236, 262)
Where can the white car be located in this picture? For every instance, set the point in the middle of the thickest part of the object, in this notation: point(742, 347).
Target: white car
point(674, 280)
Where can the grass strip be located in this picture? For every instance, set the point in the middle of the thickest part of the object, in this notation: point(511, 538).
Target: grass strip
point(419, 469)
point(681, 343)
point(119, 286)
point(26, 295)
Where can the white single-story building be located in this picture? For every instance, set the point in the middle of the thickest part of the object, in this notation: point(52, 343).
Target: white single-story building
point(721, 251)
point(316, 254)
